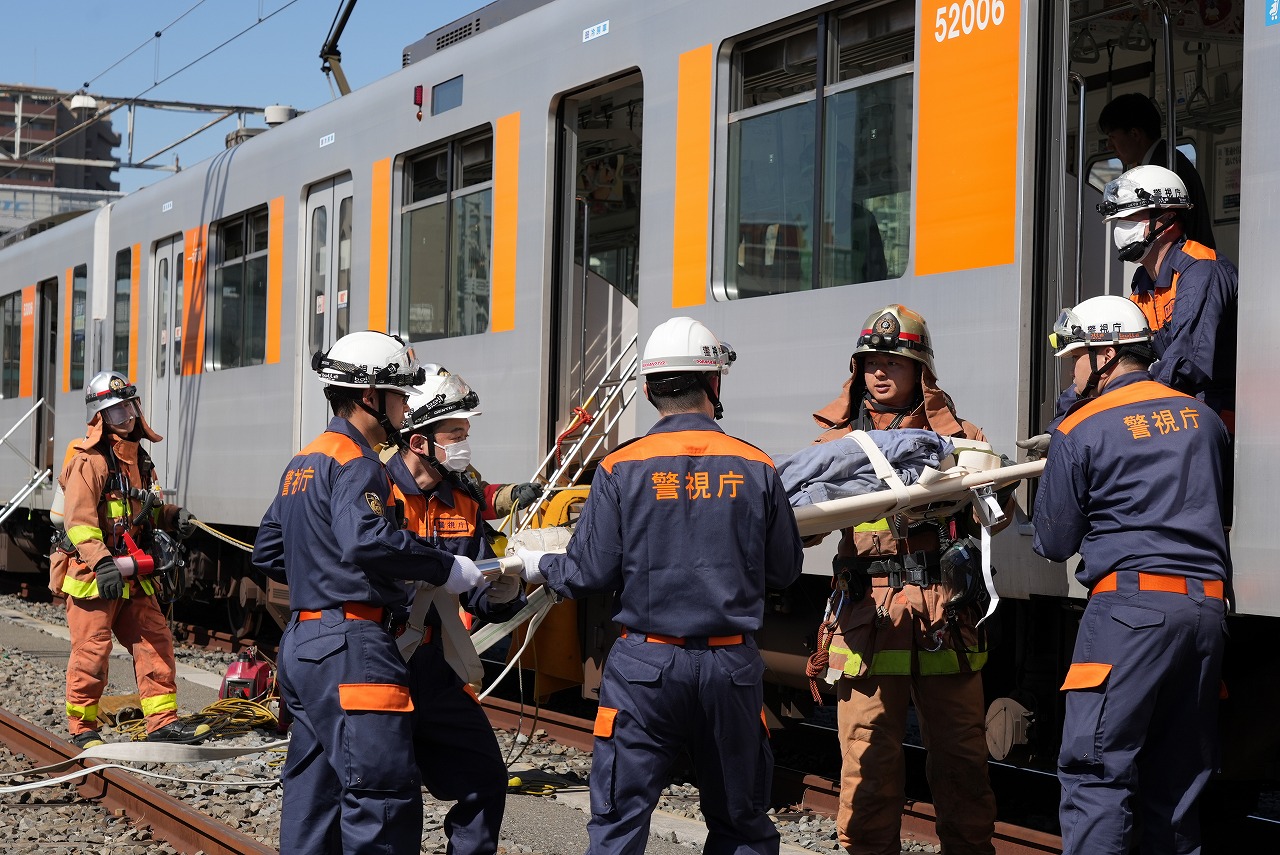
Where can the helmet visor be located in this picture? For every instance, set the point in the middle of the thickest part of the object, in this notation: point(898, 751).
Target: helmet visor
point(122, 413)
point(1067, 330)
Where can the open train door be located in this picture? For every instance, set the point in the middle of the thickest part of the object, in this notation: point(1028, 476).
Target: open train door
point(165, 369)
point(594, 302)
point(326, 302)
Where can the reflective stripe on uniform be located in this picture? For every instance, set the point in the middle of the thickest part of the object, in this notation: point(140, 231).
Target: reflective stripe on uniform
point(78, 534)
point(881, 524)
point(86, 713)
point(83, 590)
point(117, 508)
point(898, 662)
point(159, 703)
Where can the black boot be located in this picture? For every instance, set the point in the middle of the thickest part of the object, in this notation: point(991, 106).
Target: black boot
point(179, 731)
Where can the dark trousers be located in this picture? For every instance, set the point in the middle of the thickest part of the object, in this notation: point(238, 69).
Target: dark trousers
point(457, 753)
point(656, 699)
point(1144, 740)
point(350, 781)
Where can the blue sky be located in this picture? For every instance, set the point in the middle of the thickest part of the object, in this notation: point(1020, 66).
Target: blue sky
point(68, 43)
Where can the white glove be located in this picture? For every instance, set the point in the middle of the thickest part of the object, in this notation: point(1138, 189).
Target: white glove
point(504, 589)
point(1035, 446)
point(464, 576)
point(530, 572)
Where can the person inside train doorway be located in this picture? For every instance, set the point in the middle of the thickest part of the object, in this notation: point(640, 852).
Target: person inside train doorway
point(1131, 124)
point(1133, 483)
point(690, 526)
point(453, 742)
point(1187, 291)
point(904, 632)
point(111, 513)
point(350, 781)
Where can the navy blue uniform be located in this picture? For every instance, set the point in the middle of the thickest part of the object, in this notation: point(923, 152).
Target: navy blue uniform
point(1133, 482)
point(457, 753)
point(1191, 307)
point(350, 781)
point(689, 525)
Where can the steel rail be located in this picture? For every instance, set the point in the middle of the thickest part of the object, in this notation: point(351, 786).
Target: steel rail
point(170, 819)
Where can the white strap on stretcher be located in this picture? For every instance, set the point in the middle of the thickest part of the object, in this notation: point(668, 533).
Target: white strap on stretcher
point(883, 469)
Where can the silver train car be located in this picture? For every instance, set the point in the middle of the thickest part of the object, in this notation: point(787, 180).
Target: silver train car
point(544, 179)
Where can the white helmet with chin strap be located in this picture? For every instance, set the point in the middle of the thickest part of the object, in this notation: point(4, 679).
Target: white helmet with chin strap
point(371, 360)
point(440, 397)
point(682, 353)
point(1149, 188)
point(1107, 321)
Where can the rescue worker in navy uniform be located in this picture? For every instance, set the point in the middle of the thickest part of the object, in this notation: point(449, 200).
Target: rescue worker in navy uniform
point(111, 511)
point(456, 750)
point(1133, 483)
point(690, 526)
point(350, 781)
point(900, 630)
point(1187, 291)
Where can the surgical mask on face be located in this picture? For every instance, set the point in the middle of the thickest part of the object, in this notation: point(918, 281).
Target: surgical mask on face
point(1127, 233)
point(457, 456)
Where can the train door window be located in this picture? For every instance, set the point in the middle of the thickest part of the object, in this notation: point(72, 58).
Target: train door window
point(161, 305)
point(1106, 169)
point(10, 344)
point(79, 312)
point(120, 311)
point(820, 133)
point(237, 320)
point(46, 369)
point(328, 269)
point(446, 239)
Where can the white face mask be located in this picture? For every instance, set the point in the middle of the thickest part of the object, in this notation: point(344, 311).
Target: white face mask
point(457, 456)
point(1126, 233)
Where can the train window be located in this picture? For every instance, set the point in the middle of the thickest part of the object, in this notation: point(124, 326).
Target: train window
point(237, 318)
point(343, 318)
point(79, 311)
point(446, 240)
point(319, 274)
point(1106, 169)
point(446, 96)
point(11, 347)
point(821, 141)
point(161, 312)
point(120, 312)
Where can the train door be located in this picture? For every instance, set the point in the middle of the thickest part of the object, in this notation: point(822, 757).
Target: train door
point(594, 308)
point(46, 373)
point(326, 292)
point(164, 397)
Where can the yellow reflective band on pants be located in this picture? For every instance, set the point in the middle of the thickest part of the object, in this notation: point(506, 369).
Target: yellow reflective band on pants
point(84, 713)
point(898, 662)
point(159, 703)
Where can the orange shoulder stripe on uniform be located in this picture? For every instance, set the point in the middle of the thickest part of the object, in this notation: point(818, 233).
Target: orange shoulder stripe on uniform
point(1199, 250)
point(341, 448)
point(691, 443)
point(1146, 390)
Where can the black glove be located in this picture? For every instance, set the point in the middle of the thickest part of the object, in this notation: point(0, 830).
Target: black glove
point(183, 526)
point(110, 583)
point(526, 495)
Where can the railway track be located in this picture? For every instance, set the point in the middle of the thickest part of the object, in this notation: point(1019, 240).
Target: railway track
point(170, 820)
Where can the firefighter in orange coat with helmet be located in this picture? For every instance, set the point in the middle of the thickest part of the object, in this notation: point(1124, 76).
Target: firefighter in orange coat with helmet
point(896, 630)
point(113, 518)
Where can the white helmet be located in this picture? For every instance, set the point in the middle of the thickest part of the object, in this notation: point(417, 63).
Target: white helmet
point(369, 359)
point(437, 398)
point(107, 390)
point(1143, 188)
point(683, 344)
point(1099, 322)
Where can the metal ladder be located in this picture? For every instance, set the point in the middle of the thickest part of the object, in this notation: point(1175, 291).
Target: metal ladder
point(618, 393)
point(38, 477)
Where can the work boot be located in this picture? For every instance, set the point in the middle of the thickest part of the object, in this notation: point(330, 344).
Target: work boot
point(179, 731)
point(88, 739)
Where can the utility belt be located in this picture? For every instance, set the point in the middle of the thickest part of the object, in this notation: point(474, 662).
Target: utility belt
point(854, 574)
point(393, 622)
point(692, 642)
